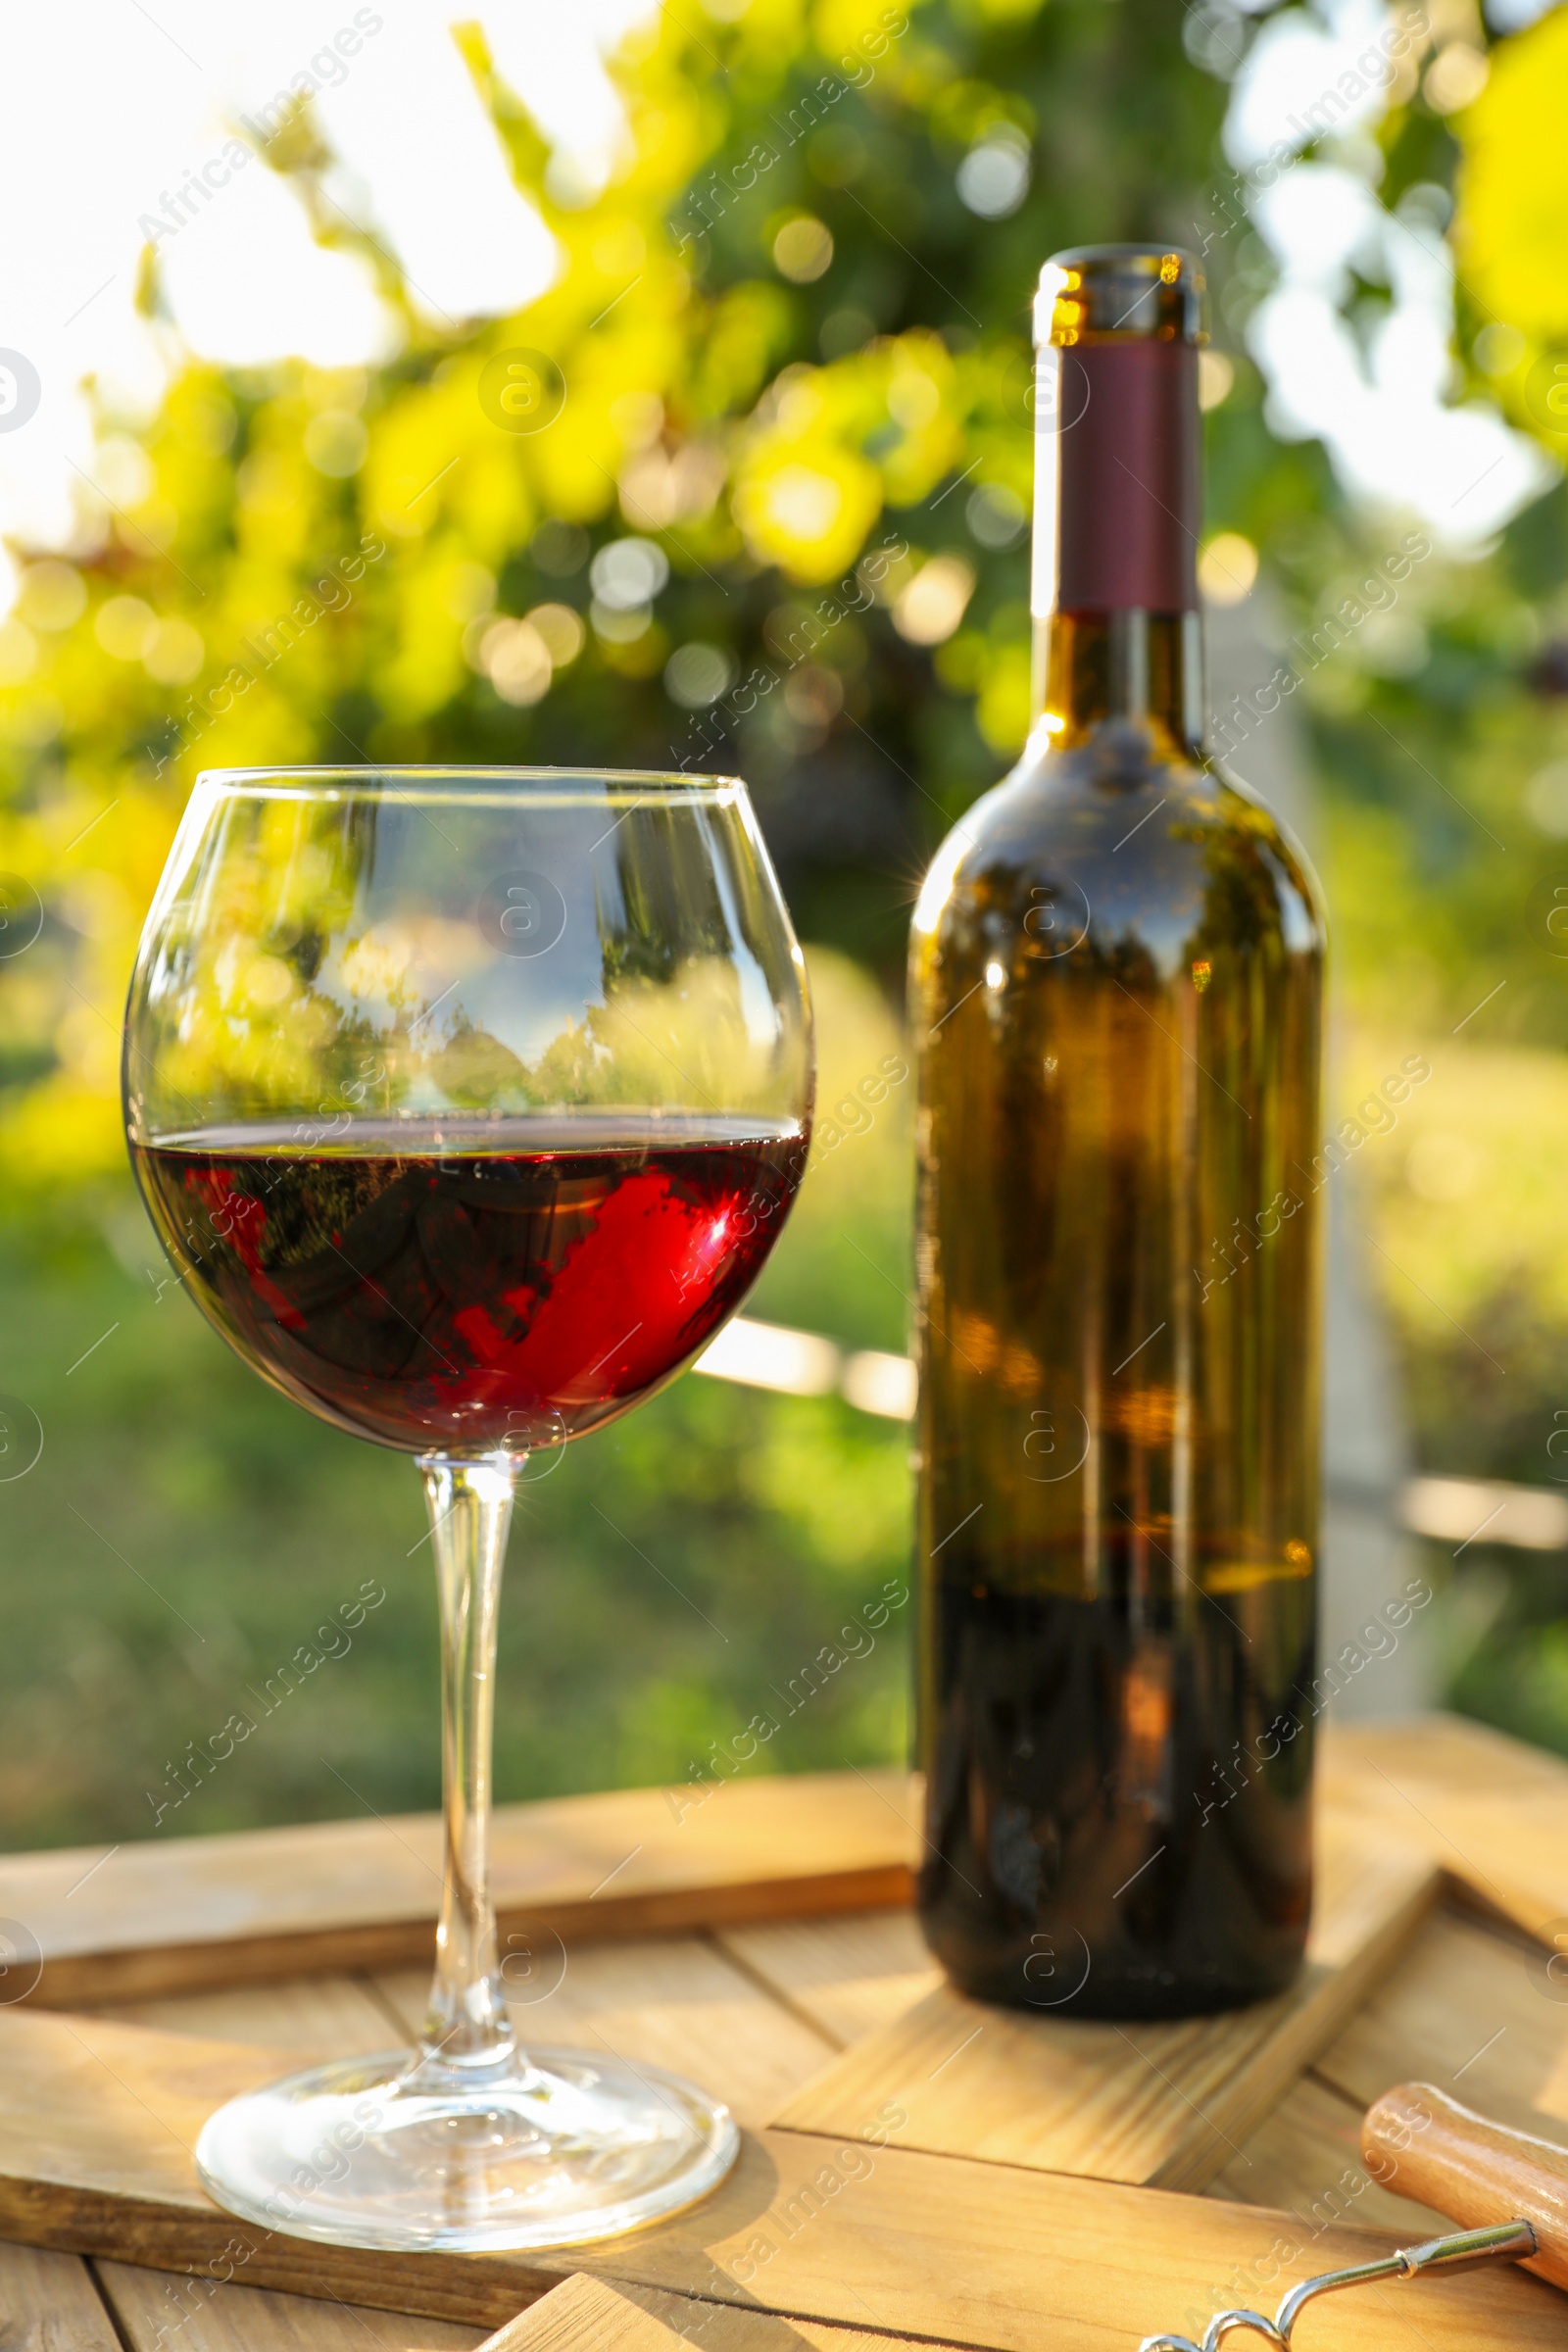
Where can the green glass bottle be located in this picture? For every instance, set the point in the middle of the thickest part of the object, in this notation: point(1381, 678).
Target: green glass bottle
point(1115, 977)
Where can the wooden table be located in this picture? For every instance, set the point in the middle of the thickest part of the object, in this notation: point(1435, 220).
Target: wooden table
point(915, 2164)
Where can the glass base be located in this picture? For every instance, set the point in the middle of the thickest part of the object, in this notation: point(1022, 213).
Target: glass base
point(552, 2150)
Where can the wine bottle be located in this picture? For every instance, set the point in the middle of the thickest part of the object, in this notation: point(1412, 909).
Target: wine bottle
point(1115, 976)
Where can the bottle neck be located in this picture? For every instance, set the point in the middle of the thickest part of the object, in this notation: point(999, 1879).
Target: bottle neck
point(1128, 667)
point(1119, 636)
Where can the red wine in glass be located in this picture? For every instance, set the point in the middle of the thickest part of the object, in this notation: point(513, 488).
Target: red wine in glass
point(336, 1027)
point(478, 1285)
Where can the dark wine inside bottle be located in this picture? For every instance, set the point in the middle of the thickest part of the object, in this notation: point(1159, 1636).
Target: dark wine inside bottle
point(1117, 971)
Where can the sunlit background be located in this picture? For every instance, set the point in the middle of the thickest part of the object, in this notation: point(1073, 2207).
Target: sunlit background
point(650, 385)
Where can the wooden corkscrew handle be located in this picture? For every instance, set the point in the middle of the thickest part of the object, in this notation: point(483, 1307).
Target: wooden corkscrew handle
point(1428, 2147)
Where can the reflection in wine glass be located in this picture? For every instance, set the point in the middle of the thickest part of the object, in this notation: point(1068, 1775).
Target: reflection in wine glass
point(468, 1104)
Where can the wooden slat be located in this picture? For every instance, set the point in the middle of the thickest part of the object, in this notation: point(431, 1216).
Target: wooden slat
point(1306, 2159)
point(158, 2312)
point(847, 1975)
point(96, 2122)
point(838, 2242)
point(1165, 2104)
point(593, 2313)
point(133, 1922)
point(1493, 1811)
point(1469, 2011)
point(673, 2001)
point(48, 2303)
point(180, 1913)
point(318, 2017)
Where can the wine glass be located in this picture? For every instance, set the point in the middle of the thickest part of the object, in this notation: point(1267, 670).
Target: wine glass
point(468, 1104)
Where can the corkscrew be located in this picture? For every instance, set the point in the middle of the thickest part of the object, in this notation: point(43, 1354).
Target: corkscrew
point(1509, 2189)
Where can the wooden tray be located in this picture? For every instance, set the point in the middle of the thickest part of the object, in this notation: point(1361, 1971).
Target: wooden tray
point(916, 2165)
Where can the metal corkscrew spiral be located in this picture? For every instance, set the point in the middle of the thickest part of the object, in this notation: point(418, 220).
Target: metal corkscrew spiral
point(1463, 2250)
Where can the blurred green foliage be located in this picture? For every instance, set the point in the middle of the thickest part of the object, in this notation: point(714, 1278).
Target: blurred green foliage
point(788, 356)
point(310, 566)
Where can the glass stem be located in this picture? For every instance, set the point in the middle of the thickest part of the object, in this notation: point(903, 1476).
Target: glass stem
point(467, 2029)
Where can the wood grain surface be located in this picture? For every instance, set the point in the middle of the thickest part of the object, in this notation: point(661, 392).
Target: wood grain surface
point(846, 1976)
point(1493, 1811)
point(136, 1921)
point(159, 2313)
point(641, 2319)
point(318, 2017)
point(1471, 2011)
point(128, 1922)
point(48, 2303)
point(1306, 2158)
point(97, 2119)
point(207, 1959)
point(1166, 2105)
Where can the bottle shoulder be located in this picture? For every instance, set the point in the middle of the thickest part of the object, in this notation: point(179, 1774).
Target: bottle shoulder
point(1134, 842)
